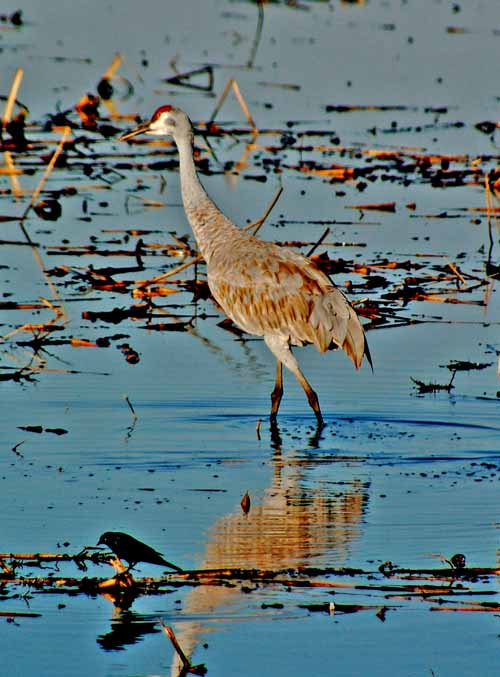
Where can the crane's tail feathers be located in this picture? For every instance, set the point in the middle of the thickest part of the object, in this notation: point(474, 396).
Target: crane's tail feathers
point(368, 355)
point(334, 323)
point(355, 343)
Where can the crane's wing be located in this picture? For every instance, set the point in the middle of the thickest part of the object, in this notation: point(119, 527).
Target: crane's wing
point(266, 289)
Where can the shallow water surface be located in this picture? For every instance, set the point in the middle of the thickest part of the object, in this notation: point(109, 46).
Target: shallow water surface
point(358, 105)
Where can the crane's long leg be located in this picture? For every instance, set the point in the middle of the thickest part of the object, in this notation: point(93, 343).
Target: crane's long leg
point(312, 398)
point(277, 393)
point(279, 346)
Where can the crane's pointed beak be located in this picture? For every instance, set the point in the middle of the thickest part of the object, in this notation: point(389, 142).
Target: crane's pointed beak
point(141, 129)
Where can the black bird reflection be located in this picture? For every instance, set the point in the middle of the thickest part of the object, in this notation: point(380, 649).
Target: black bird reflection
point(133, 551)
point(128, 629)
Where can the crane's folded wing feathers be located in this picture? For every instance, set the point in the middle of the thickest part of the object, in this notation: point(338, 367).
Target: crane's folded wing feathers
point(265, 289)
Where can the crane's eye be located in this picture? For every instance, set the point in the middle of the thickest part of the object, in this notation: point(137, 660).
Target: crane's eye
point(171, 122)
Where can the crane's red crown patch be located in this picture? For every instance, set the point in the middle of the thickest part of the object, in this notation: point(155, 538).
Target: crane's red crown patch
point(159, 111)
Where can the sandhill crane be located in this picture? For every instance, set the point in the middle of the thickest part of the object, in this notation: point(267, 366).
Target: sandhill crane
point(265, 289)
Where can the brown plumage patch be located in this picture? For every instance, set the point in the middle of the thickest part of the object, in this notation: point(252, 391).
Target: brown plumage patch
point(308, 313)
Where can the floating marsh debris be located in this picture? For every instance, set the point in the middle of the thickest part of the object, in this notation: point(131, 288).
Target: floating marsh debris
point(186, 79)
point(465, 365)
point(130, 405)
point(11, 99)
point(232, 85)
point(423, 387)
point(48, 170)
point(435, 586)
point(15, 19)
point(245, 501)
point(40, 429)
point(382, 207)
point(368, 108)
point(258, 33)
point(187, 666)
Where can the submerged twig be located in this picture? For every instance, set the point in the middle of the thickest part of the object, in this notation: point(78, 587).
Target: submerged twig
point(257, 224)
point(11, 99)
point(115, 64)
point(187, 666)
point(13, 175)
point(456, 271)
point(492, 218)
point(317, 244)
point(232, 84)
point(126, 398)
point(434, 387)
point(45, 176)
point(168, 630)
point(258, 33)
point(174, 271)
point(184, 79)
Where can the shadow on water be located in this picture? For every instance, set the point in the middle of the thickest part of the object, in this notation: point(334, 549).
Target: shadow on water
point(127, 628)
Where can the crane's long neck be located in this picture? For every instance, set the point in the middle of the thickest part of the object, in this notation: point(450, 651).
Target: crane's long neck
point(209, 224)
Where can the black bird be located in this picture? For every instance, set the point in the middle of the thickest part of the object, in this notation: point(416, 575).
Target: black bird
point(133, 551)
